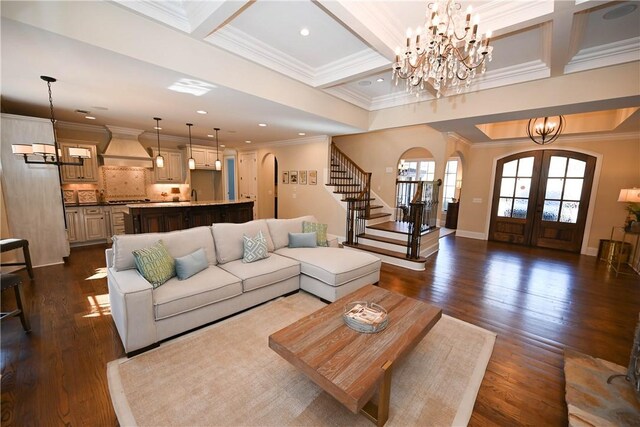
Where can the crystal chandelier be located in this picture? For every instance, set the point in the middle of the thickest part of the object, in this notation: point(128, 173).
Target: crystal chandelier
point(446, 50)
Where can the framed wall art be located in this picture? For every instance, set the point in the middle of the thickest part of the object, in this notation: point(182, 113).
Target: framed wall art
point(313, 177)
point(303, 178)
point(285, 177)
point(293, 177)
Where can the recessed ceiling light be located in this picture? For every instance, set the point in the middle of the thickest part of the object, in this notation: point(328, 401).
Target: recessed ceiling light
point(201, 112)
point(262, 125)
point(619, 12)
point(82, 112)
point(210, 136)
point(304, 32)
point(301, 133)
point(248, 142)
point(364, 83)
point(380, 80)
point(89, 117)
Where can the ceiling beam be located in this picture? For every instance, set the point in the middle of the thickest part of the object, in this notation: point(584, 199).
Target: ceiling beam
point(206, 17)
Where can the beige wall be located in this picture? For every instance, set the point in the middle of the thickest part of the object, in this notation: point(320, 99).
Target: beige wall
point(297, 200)
point(618, 166)
point(378, 151)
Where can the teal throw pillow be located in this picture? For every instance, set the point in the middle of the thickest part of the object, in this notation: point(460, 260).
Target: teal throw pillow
point(191, 264)
point(319, 229)
point(255, 248)
point(303, 240)
point(155, 264)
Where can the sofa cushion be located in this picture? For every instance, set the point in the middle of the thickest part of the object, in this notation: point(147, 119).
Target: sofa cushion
point(264, 272)
point(207, 287)
point(178, 243)
point(155, 264)
point(333, 266)
point(191, 264)
point(303, 240)
point(255, 248)
point(319, 229)
point(280, 229)
point(229, 238)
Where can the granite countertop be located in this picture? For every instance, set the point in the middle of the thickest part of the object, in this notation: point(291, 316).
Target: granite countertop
point(187, 204)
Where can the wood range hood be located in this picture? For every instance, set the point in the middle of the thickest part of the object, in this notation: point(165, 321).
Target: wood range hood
point(124, 149)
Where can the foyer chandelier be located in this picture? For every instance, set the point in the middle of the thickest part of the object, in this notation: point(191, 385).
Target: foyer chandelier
point(446, 51)
point(545, 130)
point(218, 163)
point(51, 154)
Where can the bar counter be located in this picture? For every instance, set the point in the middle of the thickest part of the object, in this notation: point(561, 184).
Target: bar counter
point(170, 216)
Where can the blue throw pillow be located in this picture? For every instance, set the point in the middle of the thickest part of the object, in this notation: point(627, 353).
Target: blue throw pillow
point(191, 264)
point(255, 248)
point(303, 240)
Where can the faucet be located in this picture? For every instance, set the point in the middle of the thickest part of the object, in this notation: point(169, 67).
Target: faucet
point(194, 195)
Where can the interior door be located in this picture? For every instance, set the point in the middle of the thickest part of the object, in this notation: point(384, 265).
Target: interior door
point(248, 174)
point(230, 177)
point(541, 199)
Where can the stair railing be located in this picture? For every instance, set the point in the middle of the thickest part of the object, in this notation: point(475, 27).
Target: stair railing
point(358, 203)
point(422, 214)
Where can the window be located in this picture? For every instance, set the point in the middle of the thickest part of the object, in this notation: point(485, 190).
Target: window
point(416, 170)
point(450, 179)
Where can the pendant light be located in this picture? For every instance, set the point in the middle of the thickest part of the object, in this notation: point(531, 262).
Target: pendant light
point(218, 162)
point(159, 158)
point(192, 161)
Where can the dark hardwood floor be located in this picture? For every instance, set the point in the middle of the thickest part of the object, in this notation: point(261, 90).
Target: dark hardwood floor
point(537, 301)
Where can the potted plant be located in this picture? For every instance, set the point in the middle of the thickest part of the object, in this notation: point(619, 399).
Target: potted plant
point(633, 219)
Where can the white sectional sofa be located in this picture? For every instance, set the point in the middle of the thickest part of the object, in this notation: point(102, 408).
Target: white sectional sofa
point(144, 315)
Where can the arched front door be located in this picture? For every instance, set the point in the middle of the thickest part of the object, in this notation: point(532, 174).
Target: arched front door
point(541, 198)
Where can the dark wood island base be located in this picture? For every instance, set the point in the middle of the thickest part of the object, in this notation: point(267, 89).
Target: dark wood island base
point(161, 217)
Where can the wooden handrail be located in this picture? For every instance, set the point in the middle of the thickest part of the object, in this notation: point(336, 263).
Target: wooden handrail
point(335, 147)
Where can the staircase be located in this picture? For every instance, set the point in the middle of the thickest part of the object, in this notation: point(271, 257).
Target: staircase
point(371, 229)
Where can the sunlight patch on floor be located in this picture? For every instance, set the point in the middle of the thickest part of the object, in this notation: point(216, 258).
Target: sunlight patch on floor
point(100, 273)
point(100, 305)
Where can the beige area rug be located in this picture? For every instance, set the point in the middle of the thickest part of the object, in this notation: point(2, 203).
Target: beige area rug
point(593, 402)
point(226, 374)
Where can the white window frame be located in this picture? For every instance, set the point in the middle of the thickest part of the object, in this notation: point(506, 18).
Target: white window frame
point(431, 169)
point(449, 183)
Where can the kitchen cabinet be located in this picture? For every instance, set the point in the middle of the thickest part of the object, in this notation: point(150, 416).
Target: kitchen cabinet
point(117, 219)
point(173, 170)
point(95, 227)
point(205, 157)
point(88, 172)
point(75, 228)
point(88, 225)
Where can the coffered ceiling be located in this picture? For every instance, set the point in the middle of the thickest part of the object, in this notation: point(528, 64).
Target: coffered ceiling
point(147, 58)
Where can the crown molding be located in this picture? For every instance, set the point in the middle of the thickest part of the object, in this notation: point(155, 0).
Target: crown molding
point(594, 137)
point(295, 141)
point(242, 44)
point(519, 73)
point(351, 96)
point(454, 137)
point(365, 61)
point(499, 14)
point(605, 55)
point(82, 127)
point(171, 13)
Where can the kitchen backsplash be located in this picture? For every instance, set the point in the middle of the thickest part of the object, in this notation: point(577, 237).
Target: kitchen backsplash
point(127, 183)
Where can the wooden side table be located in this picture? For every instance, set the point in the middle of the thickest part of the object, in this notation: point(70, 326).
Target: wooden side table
point(634, 238)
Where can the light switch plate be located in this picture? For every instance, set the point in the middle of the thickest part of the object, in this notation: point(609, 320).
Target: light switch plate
point(388, 169)
point(477, 200)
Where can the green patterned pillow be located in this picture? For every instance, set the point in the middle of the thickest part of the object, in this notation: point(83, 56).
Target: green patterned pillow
point(319, 229)
point(255, 248)
point(155, 264)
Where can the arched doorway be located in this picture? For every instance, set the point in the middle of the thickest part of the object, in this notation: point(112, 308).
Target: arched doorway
point(269, 192)
point(541, 198)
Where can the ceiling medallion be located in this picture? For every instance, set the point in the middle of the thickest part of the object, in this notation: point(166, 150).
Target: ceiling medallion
point(446, 52)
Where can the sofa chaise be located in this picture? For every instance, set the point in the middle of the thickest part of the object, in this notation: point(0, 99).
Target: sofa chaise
point(145, 315)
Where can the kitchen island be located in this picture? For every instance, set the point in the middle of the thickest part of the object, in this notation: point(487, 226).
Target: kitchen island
point(161, 217)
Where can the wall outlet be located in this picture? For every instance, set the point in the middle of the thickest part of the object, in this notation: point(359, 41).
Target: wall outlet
point(477, 200)
point(294, 195)
point(388, 169)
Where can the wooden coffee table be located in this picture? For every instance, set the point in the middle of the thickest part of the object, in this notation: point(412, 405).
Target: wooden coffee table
point(349, 365)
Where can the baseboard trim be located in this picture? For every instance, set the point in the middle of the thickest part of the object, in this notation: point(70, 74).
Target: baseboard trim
point(471, 234)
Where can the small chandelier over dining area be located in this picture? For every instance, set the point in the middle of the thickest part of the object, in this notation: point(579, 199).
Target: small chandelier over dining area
point(545, 130)
point(446, 51)
point(218, 162)
point(51, 154)
point(159, 158)
point(192, 161)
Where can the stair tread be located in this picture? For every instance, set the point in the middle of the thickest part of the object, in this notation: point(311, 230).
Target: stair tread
point(387, 252)
point(370, 207)
point(362, 200)
point(347, 192)
point(344, 185)
point(384, 239)
point(377, 215)
point(397, 227)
